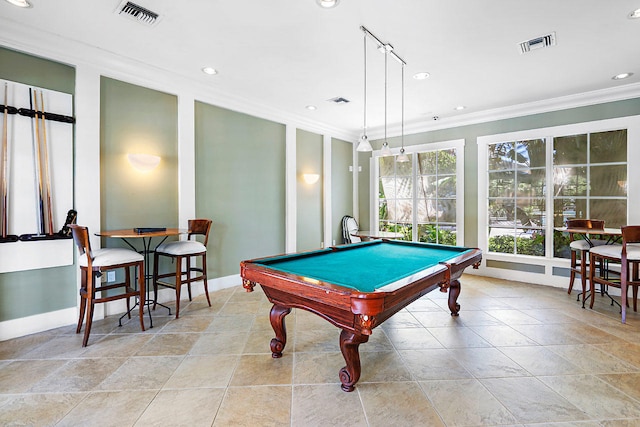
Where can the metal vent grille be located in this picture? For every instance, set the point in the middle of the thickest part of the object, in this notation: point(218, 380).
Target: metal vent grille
point(138, 13)
point(339, 100)
point(538, 43)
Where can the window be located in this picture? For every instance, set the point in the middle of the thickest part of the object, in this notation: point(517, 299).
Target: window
point(419, 198)
point(531, 182)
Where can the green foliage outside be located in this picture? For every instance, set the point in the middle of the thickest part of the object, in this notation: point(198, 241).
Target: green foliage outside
point(533, 245)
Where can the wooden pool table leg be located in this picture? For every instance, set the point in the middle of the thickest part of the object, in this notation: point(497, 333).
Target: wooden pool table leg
point(349, 343)
point(454, 292)
point(276, 316)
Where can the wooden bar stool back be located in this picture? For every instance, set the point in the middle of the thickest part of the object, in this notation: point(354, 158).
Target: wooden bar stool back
point(93, 263)
point(184, 250)
point(582, 247)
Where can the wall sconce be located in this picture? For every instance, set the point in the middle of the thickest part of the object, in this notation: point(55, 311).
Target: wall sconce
point(310, 178)
point(143, 162)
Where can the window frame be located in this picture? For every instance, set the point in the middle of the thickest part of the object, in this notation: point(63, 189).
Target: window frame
point(630, 123)
point(456, 144)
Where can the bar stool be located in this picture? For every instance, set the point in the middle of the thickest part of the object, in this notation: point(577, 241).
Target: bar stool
point(628, 256)
point(177, 251)
point(92, 265)
point(582, 247)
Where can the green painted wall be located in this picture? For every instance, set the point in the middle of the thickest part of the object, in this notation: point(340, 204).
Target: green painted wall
point(472, 132)
point(135, 119)
point(309, 227)
point(37, 291)
point(240, 185)
point(341, 185)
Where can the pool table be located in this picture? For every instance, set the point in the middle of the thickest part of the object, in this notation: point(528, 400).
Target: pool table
point(356, 287)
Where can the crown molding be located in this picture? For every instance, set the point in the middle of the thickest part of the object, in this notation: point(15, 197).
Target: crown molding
point(108, 64)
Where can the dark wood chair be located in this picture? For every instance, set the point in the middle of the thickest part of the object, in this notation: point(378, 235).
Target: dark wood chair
point(627, 256)
point(93, 263)
point(581, 247)
point(179, 250)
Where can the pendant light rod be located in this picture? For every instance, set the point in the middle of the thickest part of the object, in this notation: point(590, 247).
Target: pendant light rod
point(377, 40)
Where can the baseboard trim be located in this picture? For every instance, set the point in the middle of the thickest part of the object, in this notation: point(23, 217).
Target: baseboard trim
point(37, 323)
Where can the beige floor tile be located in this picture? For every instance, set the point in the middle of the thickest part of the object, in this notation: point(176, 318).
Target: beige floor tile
point(423, 304)
point(220, 343)
point(530, 401)
point(502, 336)
point(15, 348)
point(594, 396)
point(480, 406)
point(188, 408)
point(383, 366)
point(319, 340)
point(541, 361)
point(629, 352)
point(124, 408)
point(168, 345)
point(326, 405)
point(117, 345)
point(21, 375)
point(412, 339)
point(514, 317)
point(259, 342)
point(548, 334)
point(438, 319)
point(62, 346)
point(627, 383)
point(408, 407)
point(621, 423)
point(592, 359)
point(38, 409)
point(487, 363)
point(317, 368)
point(548, 316)
point(247, 307)
point(78, 375)
point(402, 319)
point(458, 337)
point(478, 318)
point(141, 373)
point(232, 323)
point(187, 324)
point(255, 406)
point(203, 371)
point(433, 364)
point(378, 341)
point(262, 369)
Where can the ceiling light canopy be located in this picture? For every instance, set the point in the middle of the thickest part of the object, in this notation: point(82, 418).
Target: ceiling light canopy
point(209, 70)
point(311, 107)
point(621, 76)
point(327, 4)
point(20, 3)
point(421, 76)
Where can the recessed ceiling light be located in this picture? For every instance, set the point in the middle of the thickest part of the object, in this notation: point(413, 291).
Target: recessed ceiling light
point(311, 107)
point(622, 76)
point(209, 70)
point(460, 107)
point(20, 3)
point(327, 4)
point(634, 14)
point(421, 76)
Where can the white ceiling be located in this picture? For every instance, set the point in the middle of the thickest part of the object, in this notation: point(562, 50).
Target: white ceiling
point(286, 54)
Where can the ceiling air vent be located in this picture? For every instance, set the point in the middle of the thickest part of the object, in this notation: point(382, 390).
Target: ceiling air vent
point(137, 13)
point(538, 43)
point(339, 100)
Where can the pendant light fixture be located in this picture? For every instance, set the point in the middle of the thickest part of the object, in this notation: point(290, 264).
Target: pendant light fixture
point(364, 144)
point(386, 151)
point(387, 49)
point(402, 158)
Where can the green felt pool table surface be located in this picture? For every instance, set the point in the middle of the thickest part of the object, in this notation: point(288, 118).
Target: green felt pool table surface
point(365, 266)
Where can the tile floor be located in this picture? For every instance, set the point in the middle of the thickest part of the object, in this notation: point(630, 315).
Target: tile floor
point(518, 355)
